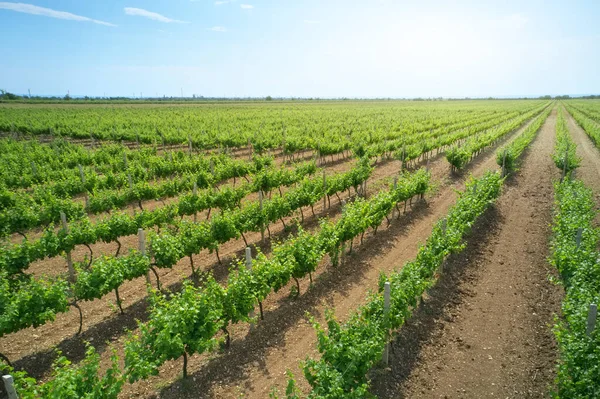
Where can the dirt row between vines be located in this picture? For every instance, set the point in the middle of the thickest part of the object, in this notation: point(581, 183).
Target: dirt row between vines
point(278, 342)
point(485, 328)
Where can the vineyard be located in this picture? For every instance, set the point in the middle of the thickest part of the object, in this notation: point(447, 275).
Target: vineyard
point(300, 249)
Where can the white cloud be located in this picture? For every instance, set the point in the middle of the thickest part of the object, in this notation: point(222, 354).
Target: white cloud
point(218, 29)
point(151, 15)
point(220, 2)
point(48, 12)
point(246, 6)
point(311, 21)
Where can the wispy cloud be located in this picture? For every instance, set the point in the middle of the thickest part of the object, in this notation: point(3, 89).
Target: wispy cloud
point(311, 21)
point(246, 6)
point(151, 15)
point(48, 12)
point(217, 29)
point(220, 2)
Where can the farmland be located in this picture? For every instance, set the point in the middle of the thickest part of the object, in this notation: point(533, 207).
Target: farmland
point(239, 249)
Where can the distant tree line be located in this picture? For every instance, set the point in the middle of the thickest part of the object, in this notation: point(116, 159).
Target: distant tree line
point(5, 96)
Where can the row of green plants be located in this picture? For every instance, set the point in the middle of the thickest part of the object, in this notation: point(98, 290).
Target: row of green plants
point(189, 321)
point(25, 164)
point(507, 156)
point(22, 211)
point(90, 379)
point(326, 128)
point(348, 351)
point(204, 311)
point(574, 245)
point(590, 126)
point(412, 148)
point(105, 274)
point(460, 155)
point(565, 150)
point(70, 181)
point(410, 143)
point(15, 258)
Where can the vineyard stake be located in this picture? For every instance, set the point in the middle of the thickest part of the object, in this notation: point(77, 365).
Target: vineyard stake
point(591, 320)
point(10, 387)
point(249, 268)
point(65, 226)
point(395, 187)
point(386, 312)
point(262, 228)
point(125, 159)
point(324, 191)
point(81, 175)
point(34, 168)
point(504, 163)
point(564, 171)
point(142, 248)
point(578, 236)
point(195, 193)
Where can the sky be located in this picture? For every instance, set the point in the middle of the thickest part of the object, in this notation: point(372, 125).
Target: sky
point(300, 48)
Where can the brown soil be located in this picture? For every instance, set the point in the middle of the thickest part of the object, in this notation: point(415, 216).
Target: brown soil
point(485, 329)
point(259, 358)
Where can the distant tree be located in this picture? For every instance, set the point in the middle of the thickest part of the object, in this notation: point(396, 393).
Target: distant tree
point(67, 97)
point(269, 98)
point(8, 96)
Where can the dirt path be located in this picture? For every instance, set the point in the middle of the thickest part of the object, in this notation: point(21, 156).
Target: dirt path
point(484, 331)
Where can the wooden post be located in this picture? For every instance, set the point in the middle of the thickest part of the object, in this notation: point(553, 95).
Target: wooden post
point(81, 175)
point(262, 228)
point(564, 171)
point(591, 320)
point(142, 249)
point(386, 312)
point(34, 168)
point(504, 163)
point(249, 268)
point(395, 187)
point(578, 237)
point(212, 167)
point(65, 226)
point(125, 159)
point(195, 193)
point(324, 191)
point(10, 386)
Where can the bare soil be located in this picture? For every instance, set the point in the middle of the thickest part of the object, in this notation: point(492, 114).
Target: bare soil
point(485, 329)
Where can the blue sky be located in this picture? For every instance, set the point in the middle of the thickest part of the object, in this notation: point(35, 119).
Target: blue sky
point(300, 48)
